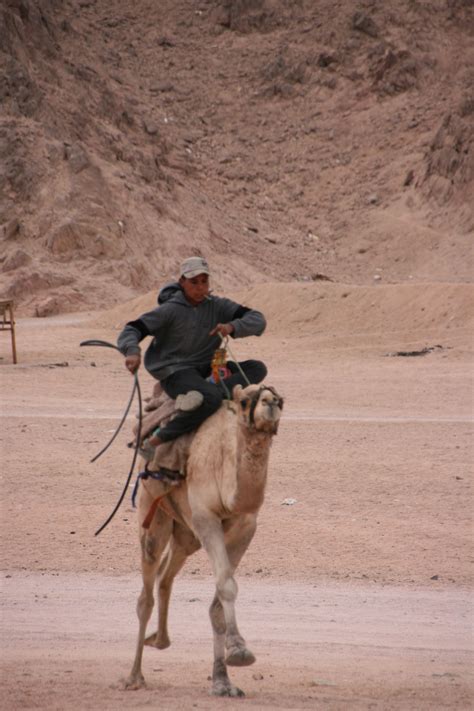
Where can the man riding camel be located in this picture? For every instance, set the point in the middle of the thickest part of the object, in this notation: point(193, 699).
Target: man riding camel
point(186, 328)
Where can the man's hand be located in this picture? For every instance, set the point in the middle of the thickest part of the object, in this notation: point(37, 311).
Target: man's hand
point(224, 329)
point(132, 362)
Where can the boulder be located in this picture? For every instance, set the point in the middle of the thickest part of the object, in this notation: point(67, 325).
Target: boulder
point(11, 229)
point(76, 157)
point(16, 259)
point(364, 23)
point(65, 239)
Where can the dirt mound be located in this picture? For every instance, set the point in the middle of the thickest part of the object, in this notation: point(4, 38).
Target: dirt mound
point(278, 139)
point(295, 309)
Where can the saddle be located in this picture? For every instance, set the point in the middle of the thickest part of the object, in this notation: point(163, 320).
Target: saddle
point(159, 410)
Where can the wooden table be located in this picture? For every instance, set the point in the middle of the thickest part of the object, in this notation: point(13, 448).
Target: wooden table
point(7, 322)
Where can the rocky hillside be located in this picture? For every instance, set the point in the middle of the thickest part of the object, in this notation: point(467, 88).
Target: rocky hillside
point(295, 141)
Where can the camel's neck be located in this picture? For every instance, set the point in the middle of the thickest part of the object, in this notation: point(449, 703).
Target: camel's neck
point(253, 450)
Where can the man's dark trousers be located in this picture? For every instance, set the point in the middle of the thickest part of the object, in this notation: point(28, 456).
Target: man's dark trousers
point(183, 381)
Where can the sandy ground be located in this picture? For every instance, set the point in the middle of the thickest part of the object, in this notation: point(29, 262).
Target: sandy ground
point(317, 646)
point(356, 596)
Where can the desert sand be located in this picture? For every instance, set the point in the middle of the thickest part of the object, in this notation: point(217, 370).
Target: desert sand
point(357, 595)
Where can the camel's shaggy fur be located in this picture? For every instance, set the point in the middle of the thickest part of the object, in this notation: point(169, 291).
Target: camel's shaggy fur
point(216, 508)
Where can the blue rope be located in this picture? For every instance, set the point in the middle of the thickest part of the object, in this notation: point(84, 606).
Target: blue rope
point(140, 475)
point(158, 476)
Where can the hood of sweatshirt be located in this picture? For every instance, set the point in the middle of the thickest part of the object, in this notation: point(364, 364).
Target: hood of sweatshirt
point(169, 290)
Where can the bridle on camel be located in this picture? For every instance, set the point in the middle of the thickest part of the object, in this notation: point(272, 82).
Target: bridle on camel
point(136, 389)
point(255, 399)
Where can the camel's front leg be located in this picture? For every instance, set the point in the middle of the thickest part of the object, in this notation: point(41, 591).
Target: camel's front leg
point(237, 540)
point(153, 543)
point(224, 561)
point(221, 684)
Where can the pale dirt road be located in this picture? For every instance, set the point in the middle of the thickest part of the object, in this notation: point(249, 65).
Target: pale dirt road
point(71, 638)
point(355, 597)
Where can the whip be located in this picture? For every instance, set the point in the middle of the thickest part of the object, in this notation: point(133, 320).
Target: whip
point(136, 389)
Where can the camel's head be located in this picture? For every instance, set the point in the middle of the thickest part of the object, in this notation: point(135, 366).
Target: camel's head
point(260, 407)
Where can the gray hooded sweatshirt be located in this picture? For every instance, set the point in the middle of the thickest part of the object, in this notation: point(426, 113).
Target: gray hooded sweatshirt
point(180, 331)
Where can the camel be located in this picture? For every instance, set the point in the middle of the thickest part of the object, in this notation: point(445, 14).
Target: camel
point(216, 508)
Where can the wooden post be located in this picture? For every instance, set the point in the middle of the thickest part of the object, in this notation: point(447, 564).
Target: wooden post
point(8, 324)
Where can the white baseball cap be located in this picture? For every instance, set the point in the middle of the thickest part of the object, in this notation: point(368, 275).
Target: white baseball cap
point(193, 266)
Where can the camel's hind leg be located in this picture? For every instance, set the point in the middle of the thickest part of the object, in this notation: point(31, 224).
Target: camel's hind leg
point(226, 553)
point(183, 544)
point(153, 544)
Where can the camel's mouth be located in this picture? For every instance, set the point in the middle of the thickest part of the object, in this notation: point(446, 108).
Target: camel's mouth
point(271, 426)
point(271, 412)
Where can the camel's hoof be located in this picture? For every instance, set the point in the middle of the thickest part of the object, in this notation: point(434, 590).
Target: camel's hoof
point(221, 689)
point(133, 683)
point(240, 658)
point(158, 642)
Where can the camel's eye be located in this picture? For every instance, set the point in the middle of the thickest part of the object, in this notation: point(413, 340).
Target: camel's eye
point(244, 402)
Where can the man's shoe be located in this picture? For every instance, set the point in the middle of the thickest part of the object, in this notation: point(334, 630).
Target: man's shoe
point(189, 401)
point(147, 451)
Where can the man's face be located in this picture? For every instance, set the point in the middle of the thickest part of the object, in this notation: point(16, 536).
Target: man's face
point(195, 289)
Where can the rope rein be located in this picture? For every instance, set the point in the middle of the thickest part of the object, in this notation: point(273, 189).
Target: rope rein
point(136, 389)
point(218, 365)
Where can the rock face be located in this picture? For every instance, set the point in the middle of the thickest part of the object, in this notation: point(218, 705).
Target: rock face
point(449, 175)
point(451, 154)
point(123, 149)
point(393, 71)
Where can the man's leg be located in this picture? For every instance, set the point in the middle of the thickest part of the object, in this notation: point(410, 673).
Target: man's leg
point(255, 371)
point(180, 383)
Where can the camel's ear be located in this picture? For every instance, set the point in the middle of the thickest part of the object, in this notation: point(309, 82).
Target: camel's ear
point(237, 392)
